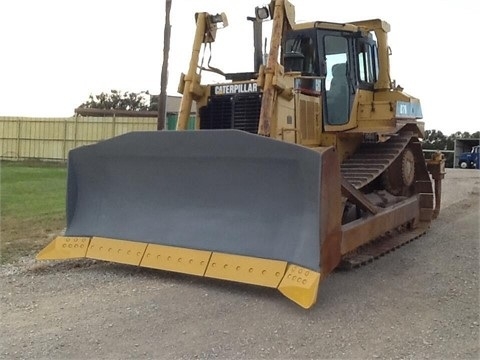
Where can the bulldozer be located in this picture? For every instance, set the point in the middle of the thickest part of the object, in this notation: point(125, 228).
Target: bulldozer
point(309, 163)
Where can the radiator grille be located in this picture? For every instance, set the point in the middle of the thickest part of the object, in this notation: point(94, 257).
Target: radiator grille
point(240, 111)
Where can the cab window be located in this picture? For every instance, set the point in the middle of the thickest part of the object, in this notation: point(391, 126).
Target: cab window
point(300, 55)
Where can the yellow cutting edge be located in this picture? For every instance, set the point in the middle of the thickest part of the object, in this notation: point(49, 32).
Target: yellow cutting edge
point(295, 282)
point(300, 285)
point(170, 258)
point(120, 251)
point(246, 269)
point(63, 247)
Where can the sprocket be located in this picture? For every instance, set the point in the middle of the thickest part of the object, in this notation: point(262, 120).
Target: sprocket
point(399, 178)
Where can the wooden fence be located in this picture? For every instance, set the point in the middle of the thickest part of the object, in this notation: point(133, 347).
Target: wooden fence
point(52, 138)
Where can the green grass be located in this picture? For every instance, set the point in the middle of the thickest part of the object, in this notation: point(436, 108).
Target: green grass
point(32, 198)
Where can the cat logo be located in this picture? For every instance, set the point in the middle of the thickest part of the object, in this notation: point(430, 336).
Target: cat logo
point(225, 89)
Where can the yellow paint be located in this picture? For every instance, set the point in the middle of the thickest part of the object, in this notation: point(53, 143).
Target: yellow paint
point(64, 247)
point(300, 285)
point(246, 269)
point(295, 282)
point(187, 261)
point(119, 251)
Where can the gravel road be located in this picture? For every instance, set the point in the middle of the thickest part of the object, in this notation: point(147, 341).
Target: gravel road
point(419, 302)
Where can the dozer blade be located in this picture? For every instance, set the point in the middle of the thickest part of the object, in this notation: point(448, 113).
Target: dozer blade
point(223, 204)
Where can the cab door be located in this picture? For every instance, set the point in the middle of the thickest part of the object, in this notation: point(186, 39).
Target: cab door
point(340, 84)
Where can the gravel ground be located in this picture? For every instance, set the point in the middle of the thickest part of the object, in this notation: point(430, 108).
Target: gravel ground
point(419, 302)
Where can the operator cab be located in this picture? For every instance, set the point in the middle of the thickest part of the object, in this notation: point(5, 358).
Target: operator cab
point(341, 61)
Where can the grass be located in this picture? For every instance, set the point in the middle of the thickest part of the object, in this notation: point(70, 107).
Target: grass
point(32, 198)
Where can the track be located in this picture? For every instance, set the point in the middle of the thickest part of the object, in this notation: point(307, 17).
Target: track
point(368, 163)
point(382, 246)
point(371, 160)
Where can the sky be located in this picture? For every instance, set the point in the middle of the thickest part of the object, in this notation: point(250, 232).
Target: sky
point(55, 53)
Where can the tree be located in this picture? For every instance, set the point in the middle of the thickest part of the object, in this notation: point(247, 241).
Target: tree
point(118, 100)
point(162, 99)
point(462, 135)
point(434, 139)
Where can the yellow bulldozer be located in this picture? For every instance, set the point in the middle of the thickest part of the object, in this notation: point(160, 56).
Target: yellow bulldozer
point(310, 162)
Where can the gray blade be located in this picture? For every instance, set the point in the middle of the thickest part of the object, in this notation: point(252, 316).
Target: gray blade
point(222, 190)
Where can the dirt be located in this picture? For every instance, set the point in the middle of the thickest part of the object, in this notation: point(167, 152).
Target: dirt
point(419, 302)
point(21, 236)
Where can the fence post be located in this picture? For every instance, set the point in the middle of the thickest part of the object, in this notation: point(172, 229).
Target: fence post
point(18, 138)
point(75, 131)
point(113, 125)
point(65, 139)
